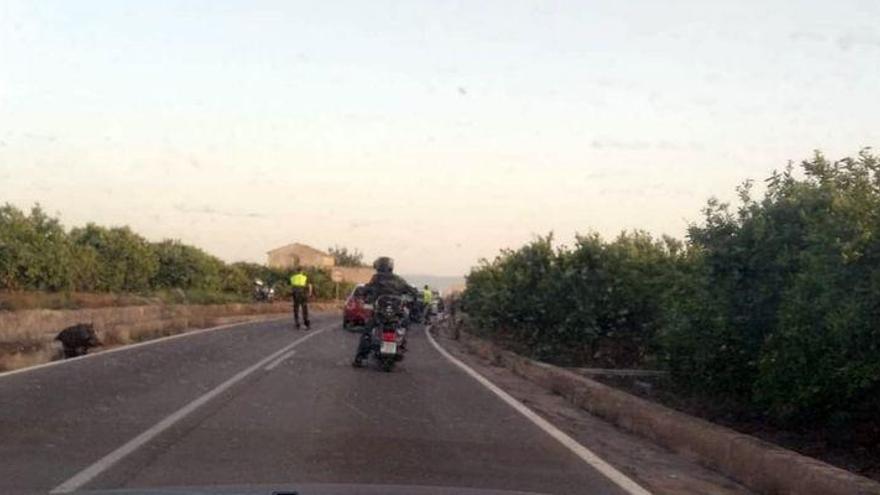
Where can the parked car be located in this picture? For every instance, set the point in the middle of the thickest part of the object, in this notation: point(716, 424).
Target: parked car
point(356, 312)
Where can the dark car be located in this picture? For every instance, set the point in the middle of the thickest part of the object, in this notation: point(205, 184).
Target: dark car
point(356, 311)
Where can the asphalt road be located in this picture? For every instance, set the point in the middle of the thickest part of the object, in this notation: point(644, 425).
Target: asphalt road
point(284, 414)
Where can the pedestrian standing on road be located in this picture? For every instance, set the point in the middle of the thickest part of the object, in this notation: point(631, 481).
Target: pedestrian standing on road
point(302, 289)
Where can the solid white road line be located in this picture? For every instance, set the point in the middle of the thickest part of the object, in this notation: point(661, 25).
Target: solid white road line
point(278, 361)
point(586, 455)
point(135, 346)
point(104, 463)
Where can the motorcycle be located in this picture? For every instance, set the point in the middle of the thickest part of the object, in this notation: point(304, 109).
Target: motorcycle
point(262, 293)
point(389, 332)
point(415, 310)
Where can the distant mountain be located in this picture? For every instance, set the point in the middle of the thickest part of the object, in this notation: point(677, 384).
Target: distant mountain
point(443, 284)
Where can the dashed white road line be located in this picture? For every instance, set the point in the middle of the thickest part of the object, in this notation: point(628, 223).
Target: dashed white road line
point(278, 361)
point(104, 463)
point(585, 454)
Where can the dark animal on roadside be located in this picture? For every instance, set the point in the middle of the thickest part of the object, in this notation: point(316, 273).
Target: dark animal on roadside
point(78, 339)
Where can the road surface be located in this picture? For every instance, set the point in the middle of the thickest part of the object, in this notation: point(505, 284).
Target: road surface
point(258, 404)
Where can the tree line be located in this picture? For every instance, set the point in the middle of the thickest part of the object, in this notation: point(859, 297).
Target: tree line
point(772, 302)
point(37, 253)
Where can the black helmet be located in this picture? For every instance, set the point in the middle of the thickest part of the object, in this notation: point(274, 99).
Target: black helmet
point(384, 264)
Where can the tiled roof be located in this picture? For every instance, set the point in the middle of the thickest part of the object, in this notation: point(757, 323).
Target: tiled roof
point(301, 248)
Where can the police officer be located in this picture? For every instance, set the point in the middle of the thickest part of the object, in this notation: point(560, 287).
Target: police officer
point(427, 298)
point(302, 289)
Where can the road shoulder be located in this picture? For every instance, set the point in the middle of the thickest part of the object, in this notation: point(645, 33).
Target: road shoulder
point(655, 468)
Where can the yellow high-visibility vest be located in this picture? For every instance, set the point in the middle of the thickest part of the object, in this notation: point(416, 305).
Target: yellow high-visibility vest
point(299, 280)
point(427, 296)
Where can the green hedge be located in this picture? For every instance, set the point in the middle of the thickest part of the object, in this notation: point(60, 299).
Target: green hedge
point(781, 310)
point(37, 253)
point(773, 304)
point(598, 303)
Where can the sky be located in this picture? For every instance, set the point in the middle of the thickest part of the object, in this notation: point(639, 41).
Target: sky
point(433, 132)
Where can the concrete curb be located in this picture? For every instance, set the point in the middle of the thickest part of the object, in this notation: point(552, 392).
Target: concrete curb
point(759, 465)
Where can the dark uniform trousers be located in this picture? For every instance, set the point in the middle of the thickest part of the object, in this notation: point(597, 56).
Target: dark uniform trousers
point(300, 301)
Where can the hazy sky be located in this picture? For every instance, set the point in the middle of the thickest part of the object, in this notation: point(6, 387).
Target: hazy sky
point(433, 132)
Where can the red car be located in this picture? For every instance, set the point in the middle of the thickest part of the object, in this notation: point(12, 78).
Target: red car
point(356, 312)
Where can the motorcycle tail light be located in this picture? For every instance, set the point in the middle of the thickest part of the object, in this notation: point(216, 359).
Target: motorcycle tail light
point(389, 336)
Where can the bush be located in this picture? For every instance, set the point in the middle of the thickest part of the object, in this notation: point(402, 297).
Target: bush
point(234, 279)
point(597, 304)
point(625, 283)
point(780, 311)
point(823, 360)
point(125, 261)
point(186, 267)
point(772, 305)
point(37, 254)
point(508, 294)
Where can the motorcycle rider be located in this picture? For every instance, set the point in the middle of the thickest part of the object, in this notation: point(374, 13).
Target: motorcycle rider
point(384, 282)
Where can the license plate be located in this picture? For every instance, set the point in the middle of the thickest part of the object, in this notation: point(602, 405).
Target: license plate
point(368, 306)
point(388, 348)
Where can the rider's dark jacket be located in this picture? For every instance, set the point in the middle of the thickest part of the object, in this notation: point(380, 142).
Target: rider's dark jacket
point(383, 284)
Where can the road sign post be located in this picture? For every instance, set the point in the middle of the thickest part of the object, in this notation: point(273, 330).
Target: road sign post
point(336, 276)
